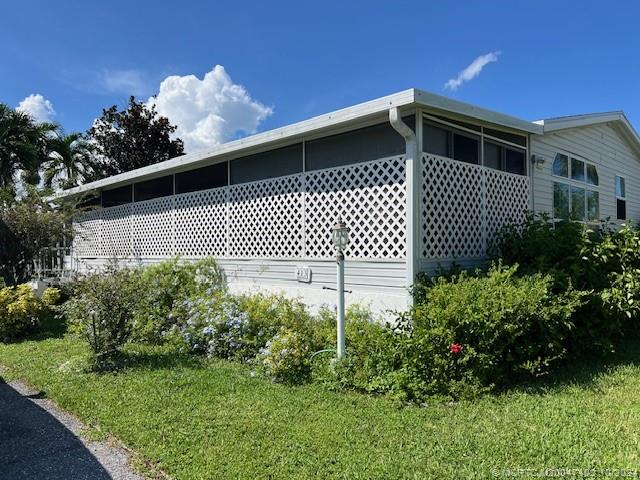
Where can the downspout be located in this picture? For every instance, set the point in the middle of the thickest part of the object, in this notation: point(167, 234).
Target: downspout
point(411, 162)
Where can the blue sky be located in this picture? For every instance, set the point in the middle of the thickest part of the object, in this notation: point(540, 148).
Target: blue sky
point(298, 59)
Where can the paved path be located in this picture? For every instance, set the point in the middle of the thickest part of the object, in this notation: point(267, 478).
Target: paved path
point(40, 441)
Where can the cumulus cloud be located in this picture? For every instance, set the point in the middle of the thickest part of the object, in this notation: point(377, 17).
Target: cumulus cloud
point(471, 71)
point(38, 107)
point(208, 111)
point(130, 82)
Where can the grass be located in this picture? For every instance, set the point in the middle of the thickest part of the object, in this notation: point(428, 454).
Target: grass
point(195, 418)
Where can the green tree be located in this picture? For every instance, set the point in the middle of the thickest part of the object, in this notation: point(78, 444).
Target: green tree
point(24, 146)
point(133, 137)
point(72, 161)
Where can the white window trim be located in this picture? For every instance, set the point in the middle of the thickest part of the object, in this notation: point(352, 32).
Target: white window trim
point(623, 198)
point(575, 183)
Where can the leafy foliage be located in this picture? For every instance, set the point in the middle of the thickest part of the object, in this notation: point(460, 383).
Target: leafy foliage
point(20, 311)
point(26, 227)
point(24, 146)
point(133, 137)
point(101, 310)
point(72, 161)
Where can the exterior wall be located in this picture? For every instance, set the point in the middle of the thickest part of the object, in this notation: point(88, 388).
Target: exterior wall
point(262, 231)
point(600, 145)
point(462, 207)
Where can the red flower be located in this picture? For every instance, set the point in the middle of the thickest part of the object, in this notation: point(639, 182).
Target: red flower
point(455, 348)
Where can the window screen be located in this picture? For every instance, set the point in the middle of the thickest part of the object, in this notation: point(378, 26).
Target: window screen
point(436, 140)
point(509, 137)
point(515, 161)
point(465, 149)
point(621, 209)
point(274, 163)
point(492, 155)
point(158, 187)
point(213, 176)
point(357, 146)
point(117, 196)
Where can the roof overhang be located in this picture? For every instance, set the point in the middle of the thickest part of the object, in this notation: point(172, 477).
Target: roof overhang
point(404, 100)
point(617, 119)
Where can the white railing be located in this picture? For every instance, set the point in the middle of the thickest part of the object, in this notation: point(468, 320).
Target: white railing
point(465, 205)
point(284, 217)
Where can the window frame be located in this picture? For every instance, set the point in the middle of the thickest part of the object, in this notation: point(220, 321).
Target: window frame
point(620, 198)
point(572, 183)
point(481, 136)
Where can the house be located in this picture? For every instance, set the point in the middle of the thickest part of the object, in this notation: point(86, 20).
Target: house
point(421, 181)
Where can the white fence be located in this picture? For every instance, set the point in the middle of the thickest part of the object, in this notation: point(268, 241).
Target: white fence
point(280, 218)
point(464, 205)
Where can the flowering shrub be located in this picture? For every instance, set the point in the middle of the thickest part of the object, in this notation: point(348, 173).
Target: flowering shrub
point(101, 310)
point(286, 357)
point(215, 327)
point(478, 331)
point(165, 288)
point(20, 310)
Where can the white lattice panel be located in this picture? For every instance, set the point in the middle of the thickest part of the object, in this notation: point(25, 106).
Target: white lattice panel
point(464, 205)
point(370, 197)
point(116, 231)
point(153, 228)
point(201, 223)
point(507, 200)
point(265, 218)
point(452, 203)
point(87, 227)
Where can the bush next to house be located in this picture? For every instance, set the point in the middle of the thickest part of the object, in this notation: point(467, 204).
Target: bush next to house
point(604, 263)
point(101, 310)
point(21, 310)
point(168, 290)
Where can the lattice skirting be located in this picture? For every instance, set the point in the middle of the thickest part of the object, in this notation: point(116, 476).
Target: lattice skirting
point(463, 206)
point(285, 217)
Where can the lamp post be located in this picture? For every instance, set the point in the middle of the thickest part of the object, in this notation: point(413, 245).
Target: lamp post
point(340, 238)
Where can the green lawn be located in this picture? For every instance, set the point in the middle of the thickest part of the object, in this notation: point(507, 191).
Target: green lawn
point(212, 419)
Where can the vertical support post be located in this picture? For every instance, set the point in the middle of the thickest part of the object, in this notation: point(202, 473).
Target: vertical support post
point(411, 159)
point(340, 292)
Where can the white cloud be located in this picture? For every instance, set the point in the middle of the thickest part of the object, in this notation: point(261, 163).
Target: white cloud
point(210, 111)
point(38, 107)
point(130, 82)
point(471, 71)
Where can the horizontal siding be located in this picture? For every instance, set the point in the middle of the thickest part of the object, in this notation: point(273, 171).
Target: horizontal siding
point(600, 145)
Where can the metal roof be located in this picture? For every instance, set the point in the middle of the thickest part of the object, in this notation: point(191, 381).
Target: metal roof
point(354, 114)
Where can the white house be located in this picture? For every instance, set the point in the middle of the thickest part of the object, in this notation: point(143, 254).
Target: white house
point(421, 181)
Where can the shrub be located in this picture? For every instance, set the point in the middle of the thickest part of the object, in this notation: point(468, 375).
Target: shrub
point(51, 297)
point(474, 332)
point(101, 310)
point(20, 311)
point(165, 288)
point(286, 357)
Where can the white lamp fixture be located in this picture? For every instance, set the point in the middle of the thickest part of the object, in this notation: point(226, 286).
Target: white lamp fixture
point(340, 238)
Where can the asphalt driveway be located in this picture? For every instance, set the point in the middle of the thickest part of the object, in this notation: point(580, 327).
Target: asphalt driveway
point(38, 440)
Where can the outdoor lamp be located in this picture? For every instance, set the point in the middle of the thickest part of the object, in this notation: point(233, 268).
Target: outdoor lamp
point(340, 238)
point(340, 235)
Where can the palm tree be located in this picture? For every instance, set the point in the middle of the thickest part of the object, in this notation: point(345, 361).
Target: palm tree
point(71, 161)
point(24, 146)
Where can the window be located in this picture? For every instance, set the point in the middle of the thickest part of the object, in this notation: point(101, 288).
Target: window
point(572, 199)
point(561, 165)
point(117, 196)
point(560, 200)
point(621, 199)
point(213, 176)
point(502, 157)
point(273, 163)
point(156, 188)
point(577, 170)
point(592, 175)
point(450, 143)
point(466, 148)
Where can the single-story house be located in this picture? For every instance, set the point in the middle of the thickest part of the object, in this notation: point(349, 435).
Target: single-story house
point(421, 181)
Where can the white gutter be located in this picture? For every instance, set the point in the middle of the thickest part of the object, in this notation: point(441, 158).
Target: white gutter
point(411, 161)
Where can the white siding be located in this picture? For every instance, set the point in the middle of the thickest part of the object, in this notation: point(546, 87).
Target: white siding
point(600, 145)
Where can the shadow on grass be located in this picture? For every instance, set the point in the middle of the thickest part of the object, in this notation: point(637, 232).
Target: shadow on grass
point(50, 327)
point(583, 372)
point(142, 357)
